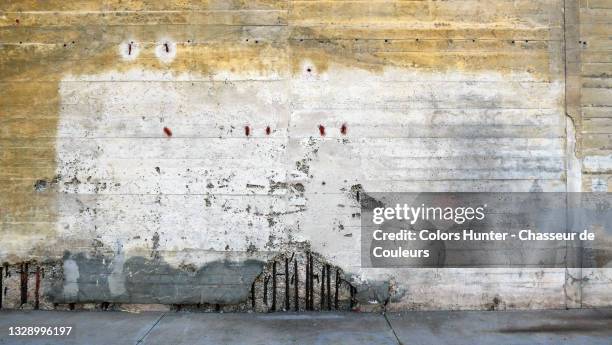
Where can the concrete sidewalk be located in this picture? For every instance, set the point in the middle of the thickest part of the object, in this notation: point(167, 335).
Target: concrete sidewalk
point(524, 327)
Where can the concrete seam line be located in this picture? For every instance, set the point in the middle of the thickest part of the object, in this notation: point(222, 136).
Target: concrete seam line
point(392, 330)
point(150, 329)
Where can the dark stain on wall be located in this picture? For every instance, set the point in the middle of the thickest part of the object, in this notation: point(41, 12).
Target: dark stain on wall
point(144, 280)
point(297, 281)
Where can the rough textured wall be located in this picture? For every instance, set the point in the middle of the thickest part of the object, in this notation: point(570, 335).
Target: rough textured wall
point(128, 176)
point(589, 104)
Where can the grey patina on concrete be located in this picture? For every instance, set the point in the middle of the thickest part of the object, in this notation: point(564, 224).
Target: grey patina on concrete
point(442, 327)
point(152, 280)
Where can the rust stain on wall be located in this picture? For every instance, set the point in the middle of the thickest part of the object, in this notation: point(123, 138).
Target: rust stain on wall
point(31, 71)
point(44, 42)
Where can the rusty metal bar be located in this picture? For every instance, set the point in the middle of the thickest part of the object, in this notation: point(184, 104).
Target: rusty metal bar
point(337, 286)
point(311, 283)
point(253, 296)
point(274, 285)
point(327, 268)
point(287, 306)
point(37, 289)
point(24, 283)
point(265, 292)
point(297, 293)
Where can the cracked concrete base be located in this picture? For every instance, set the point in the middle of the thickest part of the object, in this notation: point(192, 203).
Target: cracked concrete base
point(582, 326)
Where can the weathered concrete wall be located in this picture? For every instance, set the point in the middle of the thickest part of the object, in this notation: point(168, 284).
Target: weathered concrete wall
point(125, 156)
point(589, 104)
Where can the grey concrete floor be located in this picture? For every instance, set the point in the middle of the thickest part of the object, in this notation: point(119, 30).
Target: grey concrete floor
point(587, 326)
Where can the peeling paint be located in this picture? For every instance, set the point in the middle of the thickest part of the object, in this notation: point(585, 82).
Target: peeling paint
point(122, 137)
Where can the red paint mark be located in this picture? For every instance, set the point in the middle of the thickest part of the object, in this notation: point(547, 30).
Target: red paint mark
point(167, 131)
point(130, 48)
point(37, 289)
point(167, 48)
point(268, 130)
point(247, 130)
point(343, 129)
point(322, 130)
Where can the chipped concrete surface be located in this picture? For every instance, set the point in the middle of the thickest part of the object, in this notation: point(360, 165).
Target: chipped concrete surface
point(124, 148)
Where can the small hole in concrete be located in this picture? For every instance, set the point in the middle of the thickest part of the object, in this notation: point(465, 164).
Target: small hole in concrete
point(247, 131)
point(308, 70)
point(168, 131)
point(167, 47)
point(17, 21)
point(40, 185)
point(343, 129)
point(268, 130)
point(322, 130)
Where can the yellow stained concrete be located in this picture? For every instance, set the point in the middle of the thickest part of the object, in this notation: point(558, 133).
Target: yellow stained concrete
point(45, 41)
